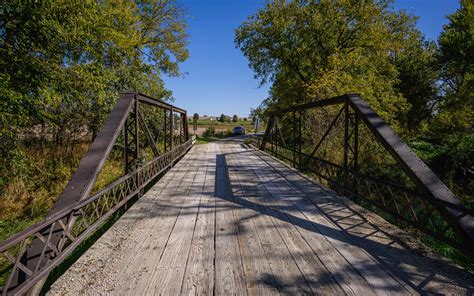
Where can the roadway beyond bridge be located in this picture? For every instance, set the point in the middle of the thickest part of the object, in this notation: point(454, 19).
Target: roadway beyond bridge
point(230, 219)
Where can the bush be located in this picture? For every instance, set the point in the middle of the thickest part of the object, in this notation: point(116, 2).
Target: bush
point(452, 159)
point(209, 132)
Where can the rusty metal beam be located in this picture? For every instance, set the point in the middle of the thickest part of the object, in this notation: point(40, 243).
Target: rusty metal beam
point(429, 187)
point(314, 104)
point(419, 172)
point(83, 179)
point(154, 102)
point(148, 134)
point(81, 184)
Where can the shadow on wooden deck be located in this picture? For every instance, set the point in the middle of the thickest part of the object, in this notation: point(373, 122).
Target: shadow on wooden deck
point(413, 270)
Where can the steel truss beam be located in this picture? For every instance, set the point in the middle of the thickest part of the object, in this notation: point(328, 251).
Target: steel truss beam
point(44, 245)
point(431, 191)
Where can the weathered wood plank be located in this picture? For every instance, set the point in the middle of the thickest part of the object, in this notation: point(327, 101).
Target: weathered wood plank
point(258, 272)
point(199, 274)
point(103, 268)
point(159, 217)
point(229, 278)
point(228, 220)
point(313, 270)
point(288, 277)
point(167, 276)
point(379, 279)
point(346, 276)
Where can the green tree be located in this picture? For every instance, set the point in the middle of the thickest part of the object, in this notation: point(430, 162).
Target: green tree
point(222, 118)
point(455, 109)
point(67, 60)
point(195, 120)
point(235, 118)
point(313, 49)
point(417, 80)
point(63, 62)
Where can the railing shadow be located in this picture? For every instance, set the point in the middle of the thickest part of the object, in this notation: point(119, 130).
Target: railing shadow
point(414, 270)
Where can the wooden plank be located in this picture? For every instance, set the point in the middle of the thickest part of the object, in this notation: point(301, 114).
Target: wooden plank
point(167, 276)
point(378, 243)
point(199, 273)
point(115, 262)
point(380, 280)
point(258, 272)
point(313, 270)
point(288, 277)
point(157, 230)
point(230, 277)
point(346, 276)
point(229, 221)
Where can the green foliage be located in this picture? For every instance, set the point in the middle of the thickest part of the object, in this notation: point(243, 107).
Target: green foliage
point(63, 63)
point(235, 118)
point(452, 159)
point(317, 49)
point(211, 132)
point(456, 60)
point(311, 50)
point(417, 80)
point(195, 120)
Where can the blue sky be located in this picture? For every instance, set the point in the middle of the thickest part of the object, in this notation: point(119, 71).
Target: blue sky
point(218, 78)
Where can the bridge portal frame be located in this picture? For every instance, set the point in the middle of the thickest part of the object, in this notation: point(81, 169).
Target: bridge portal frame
point(430, 190)
point(34, 252)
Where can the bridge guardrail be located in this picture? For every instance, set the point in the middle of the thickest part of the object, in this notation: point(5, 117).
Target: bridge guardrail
point(331, 148)
point(30, 255)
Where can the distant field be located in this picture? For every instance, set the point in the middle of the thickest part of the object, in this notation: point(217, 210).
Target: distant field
point(203, 124)
point(238, 123)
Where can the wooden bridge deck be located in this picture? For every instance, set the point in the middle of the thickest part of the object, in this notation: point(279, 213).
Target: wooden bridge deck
point(231, 220)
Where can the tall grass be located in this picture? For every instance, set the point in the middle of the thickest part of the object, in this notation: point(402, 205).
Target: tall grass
point(26, 199)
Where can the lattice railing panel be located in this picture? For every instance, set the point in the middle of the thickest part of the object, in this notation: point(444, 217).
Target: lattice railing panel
point(87, 215)
point(138, 142)
point(346, 146)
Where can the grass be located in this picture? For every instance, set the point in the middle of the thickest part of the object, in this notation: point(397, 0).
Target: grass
point(205, 140)
point(26, 200)
point(231, 123)
point(12, 223)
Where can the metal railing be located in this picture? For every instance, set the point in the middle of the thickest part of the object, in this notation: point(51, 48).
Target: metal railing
point(345, 145)
point(30, 255)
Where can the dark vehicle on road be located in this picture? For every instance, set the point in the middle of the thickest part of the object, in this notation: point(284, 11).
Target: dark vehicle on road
point(238, 130)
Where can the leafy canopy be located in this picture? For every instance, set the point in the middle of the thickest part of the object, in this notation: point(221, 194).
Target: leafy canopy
point(456, 62)
point(64, 61)
point(313, 49)
point(62, 64)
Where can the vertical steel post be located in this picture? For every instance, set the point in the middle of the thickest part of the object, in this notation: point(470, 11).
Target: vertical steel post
point(300, 138)
point(186, 127)
point(356, 142)
point(125, 145)
point(268, 130)
point(171, 129)
point(137, 131)
point(346, 140)
point(273, 136)
point(166, 131)
point(355, 158)
point(294, 138)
